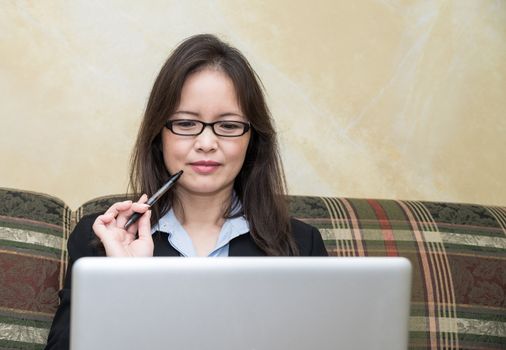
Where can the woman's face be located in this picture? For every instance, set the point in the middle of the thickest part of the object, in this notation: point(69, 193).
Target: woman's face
point(210, 162)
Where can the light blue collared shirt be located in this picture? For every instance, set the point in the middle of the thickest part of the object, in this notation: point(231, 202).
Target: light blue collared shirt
point(181, 241)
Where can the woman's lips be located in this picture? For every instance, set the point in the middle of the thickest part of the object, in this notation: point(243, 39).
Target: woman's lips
point(205, 167)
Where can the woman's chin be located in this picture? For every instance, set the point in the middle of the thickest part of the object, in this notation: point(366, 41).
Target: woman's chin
point(207, 189)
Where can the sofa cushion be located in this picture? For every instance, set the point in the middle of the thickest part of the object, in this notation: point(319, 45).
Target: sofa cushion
point(458, 257)
point(33, 231)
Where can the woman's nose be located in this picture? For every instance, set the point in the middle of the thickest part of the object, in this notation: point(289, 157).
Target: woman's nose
point(207, 140)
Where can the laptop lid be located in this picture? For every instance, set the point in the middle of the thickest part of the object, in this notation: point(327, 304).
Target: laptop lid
point(240, 303)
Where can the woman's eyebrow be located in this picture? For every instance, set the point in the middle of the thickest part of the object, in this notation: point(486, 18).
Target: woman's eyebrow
point(226, 114)
point(229, 114)
point(186, 112)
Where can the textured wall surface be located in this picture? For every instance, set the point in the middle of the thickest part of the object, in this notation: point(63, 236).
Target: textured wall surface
point(385, 99)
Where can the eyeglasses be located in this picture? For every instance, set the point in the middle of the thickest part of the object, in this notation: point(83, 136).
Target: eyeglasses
point(190, 127)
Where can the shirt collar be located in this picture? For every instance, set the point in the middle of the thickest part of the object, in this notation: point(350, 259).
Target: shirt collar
point(179, 238)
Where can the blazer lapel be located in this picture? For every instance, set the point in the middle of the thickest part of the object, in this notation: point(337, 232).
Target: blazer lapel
point(244, 245)
point(162, 245)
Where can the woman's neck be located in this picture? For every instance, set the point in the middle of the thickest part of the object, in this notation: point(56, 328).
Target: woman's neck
point(193, 209)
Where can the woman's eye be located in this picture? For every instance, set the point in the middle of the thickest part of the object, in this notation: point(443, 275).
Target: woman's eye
point(185, 123)
point(230, 125)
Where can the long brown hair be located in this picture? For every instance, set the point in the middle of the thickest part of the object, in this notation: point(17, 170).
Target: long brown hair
point(260, 184)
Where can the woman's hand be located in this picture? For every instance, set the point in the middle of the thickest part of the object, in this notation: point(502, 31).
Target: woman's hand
point(117, 241)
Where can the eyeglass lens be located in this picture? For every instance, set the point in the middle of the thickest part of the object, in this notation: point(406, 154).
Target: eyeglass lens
point(220, 128)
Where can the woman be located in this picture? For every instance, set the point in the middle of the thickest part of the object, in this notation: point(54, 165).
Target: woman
point(206, 115)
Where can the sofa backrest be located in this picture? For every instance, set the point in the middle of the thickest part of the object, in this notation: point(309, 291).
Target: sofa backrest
point(33, 231)
point(457, 252)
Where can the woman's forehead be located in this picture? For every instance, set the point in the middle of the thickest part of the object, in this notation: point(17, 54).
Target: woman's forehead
point(209, 91)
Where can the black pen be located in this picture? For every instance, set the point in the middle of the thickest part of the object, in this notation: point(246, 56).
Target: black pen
point(154, 198)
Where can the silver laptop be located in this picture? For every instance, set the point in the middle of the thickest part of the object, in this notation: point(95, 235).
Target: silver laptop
point(240, 303)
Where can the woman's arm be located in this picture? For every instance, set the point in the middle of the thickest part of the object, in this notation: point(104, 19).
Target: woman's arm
point(308, 238)
point(109, 228)
point(318, 246)
point(79, 245)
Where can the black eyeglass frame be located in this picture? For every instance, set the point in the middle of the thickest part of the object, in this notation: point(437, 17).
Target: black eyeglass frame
point(246, 127)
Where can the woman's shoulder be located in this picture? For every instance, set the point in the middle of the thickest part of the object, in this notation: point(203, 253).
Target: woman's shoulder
point(308, 239)
point(81, 241)
point(84, 227)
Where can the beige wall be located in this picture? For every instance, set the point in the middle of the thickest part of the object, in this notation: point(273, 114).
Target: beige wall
point(386, 99)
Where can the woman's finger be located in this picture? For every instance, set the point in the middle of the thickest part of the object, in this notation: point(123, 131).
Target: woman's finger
point(118, 207)
point(143, 199)
point(145, 226)
point(100, 225)
point(139, 207)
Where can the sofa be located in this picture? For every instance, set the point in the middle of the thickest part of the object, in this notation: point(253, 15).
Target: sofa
point(457, 251)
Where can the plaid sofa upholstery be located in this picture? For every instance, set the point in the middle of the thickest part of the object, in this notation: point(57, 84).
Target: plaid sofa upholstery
point(33, 231)
point(457, 252)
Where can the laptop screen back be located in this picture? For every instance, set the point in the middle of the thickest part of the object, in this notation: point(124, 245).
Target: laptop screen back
point(240, 303)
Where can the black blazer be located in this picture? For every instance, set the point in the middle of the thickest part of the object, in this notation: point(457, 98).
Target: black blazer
point(79, 245)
